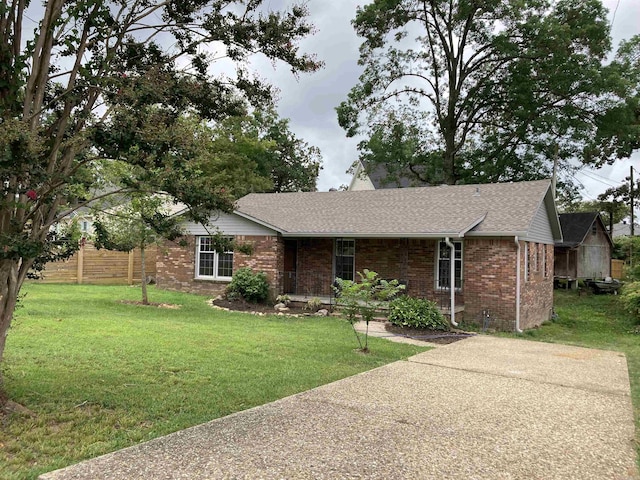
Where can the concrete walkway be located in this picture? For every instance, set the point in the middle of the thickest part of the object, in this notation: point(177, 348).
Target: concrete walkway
point(481, 408)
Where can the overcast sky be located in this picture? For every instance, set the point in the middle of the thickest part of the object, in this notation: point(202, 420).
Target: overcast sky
point(310, 101)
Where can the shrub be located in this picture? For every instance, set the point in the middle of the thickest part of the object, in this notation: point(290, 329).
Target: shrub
point(253, 287)
point(630, 298)
point(412, 312)
point(283, 298)
point(363, 299)
point(313, 304)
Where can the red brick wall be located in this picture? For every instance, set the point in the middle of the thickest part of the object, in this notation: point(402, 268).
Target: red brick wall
point(176, 264)
point(536, 301)
point(489, 275)
point(314, 269)
point(387, 257)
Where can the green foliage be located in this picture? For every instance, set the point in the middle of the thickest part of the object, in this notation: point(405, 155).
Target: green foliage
point(313, 304)
point(413, 312)
point(485, 91)
point(253, 287)
point(630, 298)
point(284, 299)
point(85, 84)
point(628, 249)
point(361, 299)
point(615, 211)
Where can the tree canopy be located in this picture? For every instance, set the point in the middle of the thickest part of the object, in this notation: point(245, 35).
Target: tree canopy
point(466, 91)
point(87, 82)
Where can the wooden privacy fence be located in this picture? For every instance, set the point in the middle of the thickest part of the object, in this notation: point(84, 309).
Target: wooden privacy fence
point(616, 268)
point(93, 266)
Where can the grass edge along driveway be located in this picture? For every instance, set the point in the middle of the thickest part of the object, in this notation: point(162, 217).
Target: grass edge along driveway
point(99, 375)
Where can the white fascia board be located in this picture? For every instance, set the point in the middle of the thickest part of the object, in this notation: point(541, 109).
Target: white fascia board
point(372, 235)
point(259, 222)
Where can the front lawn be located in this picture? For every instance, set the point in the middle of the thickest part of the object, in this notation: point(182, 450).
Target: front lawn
point(596, 321)
point(99, 375)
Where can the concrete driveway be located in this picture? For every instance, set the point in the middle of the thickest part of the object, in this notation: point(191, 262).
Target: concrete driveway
point(481, 408)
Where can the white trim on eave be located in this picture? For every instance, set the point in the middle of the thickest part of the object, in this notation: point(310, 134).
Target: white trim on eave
point(259, 222)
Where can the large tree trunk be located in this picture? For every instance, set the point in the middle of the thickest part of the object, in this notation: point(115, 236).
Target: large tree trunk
point(12, 275)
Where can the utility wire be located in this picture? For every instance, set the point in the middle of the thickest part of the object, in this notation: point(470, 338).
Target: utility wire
point(613, 18)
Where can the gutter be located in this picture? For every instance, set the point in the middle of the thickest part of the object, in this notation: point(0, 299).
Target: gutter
point(517, 241)
point(452, 277)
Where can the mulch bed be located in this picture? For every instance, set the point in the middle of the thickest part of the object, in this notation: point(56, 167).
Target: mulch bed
point(431, 336)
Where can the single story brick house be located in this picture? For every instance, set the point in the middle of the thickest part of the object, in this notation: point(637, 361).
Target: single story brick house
point(495, 241)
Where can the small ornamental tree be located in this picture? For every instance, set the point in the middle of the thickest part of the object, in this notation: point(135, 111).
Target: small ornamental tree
point(360, 300)
point(134, 225)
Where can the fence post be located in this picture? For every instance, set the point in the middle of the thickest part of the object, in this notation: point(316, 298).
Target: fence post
point(130, 269)
point(80, 264)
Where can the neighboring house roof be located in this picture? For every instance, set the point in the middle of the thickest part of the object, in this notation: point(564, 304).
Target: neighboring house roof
point(379, 178)
point(624, 229)
point(576, 226)
point(501, 209)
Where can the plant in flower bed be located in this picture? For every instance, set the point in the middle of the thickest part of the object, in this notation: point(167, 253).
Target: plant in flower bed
point(359, 301)
point(252, 287)
point(413, 312)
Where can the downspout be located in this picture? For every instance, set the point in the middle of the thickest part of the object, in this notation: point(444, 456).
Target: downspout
point(452, 280)
point(518, 329)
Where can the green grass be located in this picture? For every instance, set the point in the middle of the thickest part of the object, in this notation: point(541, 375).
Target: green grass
point(100, 375)
point(597, 321)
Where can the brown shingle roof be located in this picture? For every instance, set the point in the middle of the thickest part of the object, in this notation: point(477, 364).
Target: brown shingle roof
point(500, 209)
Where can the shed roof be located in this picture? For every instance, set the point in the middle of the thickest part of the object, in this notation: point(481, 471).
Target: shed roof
point(454, 210)
point(576, 226)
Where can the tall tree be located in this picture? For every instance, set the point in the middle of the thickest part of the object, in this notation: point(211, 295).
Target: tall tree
point(489, 90)
point(612, 211)
point(262, 141)
point(110, 80)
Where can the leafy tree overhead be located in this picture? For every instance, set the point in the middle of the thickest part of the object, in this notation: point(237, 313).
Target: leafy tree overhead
point(470, 91)
point(108, 80)
point(610, 211)
point(263, 144)
point(618, 134)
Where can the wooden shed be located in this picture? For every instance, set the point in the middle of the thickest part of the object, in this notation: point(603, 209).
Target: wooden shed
point(585, 251)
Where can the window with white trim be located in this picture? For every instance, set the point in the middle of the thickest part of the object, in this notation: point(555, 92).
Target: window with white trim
point(345, 259)
point(210, 264)
point(443, 272)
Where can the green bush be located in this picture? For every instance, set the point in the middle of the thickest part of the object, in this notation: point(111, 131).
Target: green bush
point(412, 312)
point(630, 298)
point(253, 287)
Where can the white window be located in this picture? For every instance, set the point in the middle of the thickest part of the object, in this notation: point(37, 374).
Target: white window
point(345, 259)
point(211, 264)
point(443, 272)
